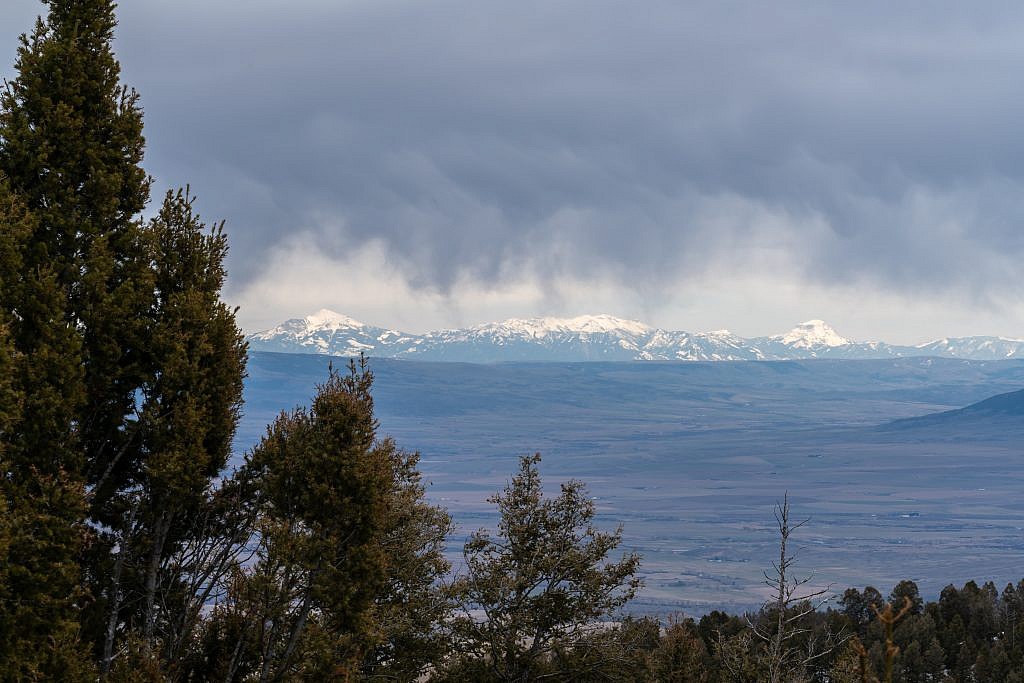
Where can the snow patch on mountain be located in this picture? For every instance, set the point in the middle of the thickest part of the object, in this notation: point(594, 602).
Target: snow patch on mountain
point(811, 334)
point(328, 319)
point(980, 348)
point(542, 327)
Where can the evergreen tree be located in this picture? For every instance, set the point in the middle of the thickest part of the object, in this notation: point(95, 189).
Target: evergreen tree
point(306, 603)
point(411, 608)
point(70, 145)
point(542, 579)
point(188, 411)
point(42, 503)
point(907, 590)
point(191, 406)
point(860, 608)
point(346, 553)
point(129, 367)
point(681, 656)
point(627, 652)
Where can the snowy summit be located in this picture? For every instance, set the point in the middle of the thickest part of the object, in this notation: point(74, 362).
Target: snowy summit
point(326, 319)
point(322, 322)
point(811, 334)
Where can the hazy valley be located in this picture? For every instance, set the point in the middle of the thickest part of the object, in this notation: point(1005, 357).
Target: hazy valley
point(690, 458)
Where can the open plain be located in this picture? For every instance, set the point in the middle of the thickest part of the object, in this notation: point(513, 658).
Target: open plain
point(691, 457)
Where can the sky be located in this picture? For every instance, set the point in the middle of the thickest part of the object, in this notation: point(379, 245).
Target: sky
point(696, 166)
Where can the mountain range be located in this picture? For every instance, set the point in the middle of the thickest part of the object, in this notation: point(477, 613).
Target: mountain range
point(599, 337)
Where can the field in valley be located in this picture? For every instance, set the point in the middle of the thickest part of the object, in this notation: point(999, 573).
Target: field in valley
point(691, 457)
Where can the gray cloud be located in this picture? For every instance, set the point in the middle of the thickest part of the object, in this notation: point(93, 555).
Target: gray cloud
point(869, 145)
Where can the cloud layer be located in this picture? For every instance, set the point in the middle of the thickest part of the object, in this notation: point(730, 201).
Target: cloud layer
point(491, 158)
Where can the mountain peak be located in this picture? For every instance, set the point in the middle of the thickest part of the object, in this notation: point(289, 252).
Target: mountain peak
point(813, 333)
point(326, 318)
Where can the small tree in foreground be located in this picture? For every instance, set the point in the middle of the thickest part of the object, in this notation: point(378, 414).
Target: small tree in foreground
point(542, 582)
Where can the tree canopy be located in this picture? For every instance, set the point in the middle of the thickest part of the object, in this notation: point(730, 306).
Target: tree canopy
point(542, 580)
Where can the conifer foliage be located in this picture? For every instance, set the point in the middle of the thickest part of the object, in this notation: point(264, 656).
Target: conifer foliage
point(185, 420)
point(346, 554)
point(322, 485)
point(42, 501)
point(71, 146)
point(542, 580)
point(124, 368)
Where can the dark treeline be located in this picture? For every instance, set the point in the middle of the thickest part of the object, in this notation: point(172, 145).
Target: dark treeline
point(969, 634)
point(129, 553)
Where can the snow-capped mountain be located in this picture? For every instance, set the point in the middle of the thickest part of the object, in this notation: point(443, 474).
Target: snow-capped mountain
point(980, 348)
point(587, 337)
point(324, 332)
point(718, 345)
point(812, 334)
point(597, 337)
point(817, 339)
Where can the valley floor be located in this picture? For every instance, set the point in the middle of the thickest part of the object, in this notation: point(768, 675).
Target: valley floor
point(691, 457)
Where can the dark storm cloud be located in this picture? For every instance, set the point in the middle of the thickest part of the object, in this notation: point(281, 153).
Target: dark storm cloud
point(645, 140)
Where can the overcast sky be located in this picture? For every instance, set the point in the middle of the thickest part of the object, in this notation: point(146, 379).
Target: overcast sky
point(697, 165)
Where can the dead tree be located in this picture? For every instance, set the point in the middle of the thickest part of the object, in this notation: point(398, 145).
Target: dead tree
point(792, 600)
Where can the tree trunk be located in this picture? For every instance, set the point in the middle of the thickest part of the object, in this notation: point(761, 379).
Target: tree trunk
point(268, 653)
point(116, 595)
point(163, 525)
point(780, 599)
point(235, 657)
point(297, 628)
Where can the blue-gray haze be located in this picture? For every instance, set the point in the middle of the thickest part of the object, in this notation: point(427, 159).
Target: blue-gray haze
point(690, 457)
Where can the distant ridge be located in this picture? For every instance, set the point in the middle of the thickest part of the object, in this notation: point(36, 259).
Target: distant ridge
point(598, 337)
point(1011, 403)
point(1001, 410)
